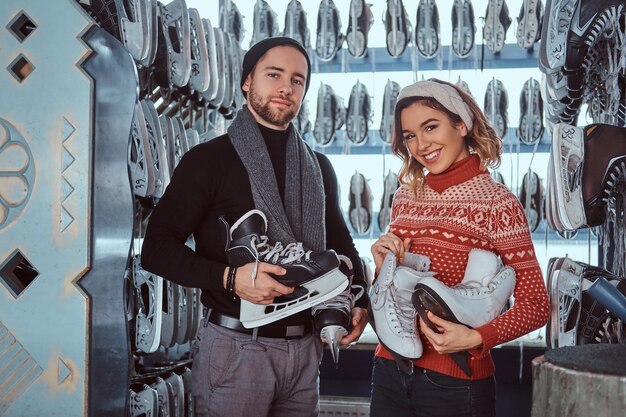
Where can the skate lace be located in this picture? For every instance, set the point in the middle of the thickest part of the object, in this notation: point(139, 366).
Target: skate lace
point(405, 314)
point(343, 301)
point(277, 253)
point(472, 288)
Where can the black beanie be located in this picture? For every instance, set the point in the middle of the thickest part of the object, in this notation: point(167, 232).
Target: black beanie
point(260, 48)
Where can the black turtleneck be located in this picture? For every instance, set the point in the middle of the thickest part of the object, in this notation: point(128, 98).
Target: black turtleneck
point(210, 181)
point(276, 143)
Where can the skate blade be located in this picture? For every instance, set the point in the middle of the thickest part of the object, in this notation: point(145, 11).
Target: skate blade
point(319, 290)
point(148, 319)
point(568, 157)
point(565, 298)
point(333, 335)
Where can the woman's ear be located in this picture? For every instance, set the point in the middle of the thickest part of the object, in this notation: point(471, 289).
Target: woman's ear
point(462, 128)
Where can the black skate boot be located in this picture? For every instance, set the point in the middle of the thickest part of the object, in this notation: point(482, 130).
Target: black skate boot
point(531, 197)
point(398, 28)
point(295, 24)
point(359, 114)
point(463, 28)
point(329, 37)
point(359, 24)
point(315, 274)
point(497, 22)
point(332, 318)
point(392, 90)
point(427, 36)
point(587, 163)
point(265, 22)
point(360, 210)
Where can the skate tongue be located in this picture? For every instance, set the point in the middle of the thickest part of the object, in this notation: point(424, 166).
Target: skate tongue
point(251, 223)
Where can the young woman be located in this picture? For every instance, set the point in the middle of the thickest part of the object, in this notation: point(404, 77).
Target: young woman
point(447, 205)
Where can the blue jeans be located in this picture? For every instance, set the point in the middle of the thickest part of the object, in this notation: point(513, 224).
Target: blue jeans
point(427, 393)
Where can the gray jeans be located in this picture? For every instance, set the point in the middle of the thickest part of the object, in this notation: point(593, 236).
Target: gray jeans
point(234, 375)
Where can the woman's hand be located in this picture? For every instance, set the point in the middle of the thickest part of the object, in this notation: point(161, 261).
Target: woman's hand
point(389, 243)
point(452, 337)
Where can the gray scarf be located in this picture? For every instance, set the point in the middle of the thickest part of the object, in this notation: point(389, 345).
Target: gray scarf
point(302, 217)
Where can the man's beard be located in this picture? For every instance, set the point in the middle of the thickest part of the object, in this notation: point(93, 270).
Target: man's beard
point(264, 110)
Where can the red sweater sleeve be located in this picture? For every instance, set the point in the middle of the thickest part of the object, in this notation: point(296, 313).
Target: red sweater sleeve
point(512, 241)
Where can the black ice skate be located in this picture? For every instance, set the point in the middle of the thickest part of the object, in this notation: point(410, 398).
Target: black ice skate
point(577, 318)
point(173, 60)
point(427, 37)
point(359, 24)
point(384, 215)
point(229, 76)
point(315, 275)
point(496, 107)
point(531, 197)
point(529, 23)
point(360, 210)
point(390, 96)
point(222, 68)
point(329, 37)
point(587, 164)
point(530, 128)
point(592, 20)
point(144, 401)
point(140, 163)
point(332, 318)
point(397, 27)
point(359, 113)
point(331, 115)
point(497, 22)
point(302, 122)
point(463, 28)
point(295, 24)
point(214, 78)
point(265, 22)
point(148, 299)
point(199, 77)
point(134, 24)
point(231, 20)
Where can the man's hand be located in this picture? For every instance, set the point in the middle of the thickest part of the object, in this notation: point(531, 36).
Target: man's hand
point(265, 287)
point(452, 337)
point(359, 321)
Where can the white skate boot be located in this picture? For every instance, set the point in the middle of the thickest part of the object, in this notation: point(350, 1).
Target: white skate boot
point(315, 275)
point(393, 315)
point(479, 298)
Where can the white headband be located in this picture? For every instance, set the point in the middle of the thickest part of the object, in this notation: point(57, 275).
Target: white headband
point(445, 94)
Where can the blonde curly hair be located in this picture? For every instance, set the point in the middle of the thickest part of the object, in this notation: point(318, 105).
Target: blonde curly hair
point(481, 140)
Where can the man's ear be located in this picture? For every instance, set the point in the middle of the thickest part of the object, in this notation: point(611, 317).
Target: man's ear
point(246, 84)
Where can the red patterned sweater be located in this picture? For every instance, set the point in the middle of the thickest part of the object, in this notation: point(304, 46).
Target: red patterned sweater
point(461, 209)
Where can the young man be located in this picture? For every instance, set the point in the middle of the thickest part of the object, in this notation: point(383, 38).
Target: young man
point(263, 163)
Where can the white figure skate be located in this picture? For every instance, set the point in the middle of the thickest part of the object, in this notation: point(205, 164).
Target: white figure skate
point(393, 315)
